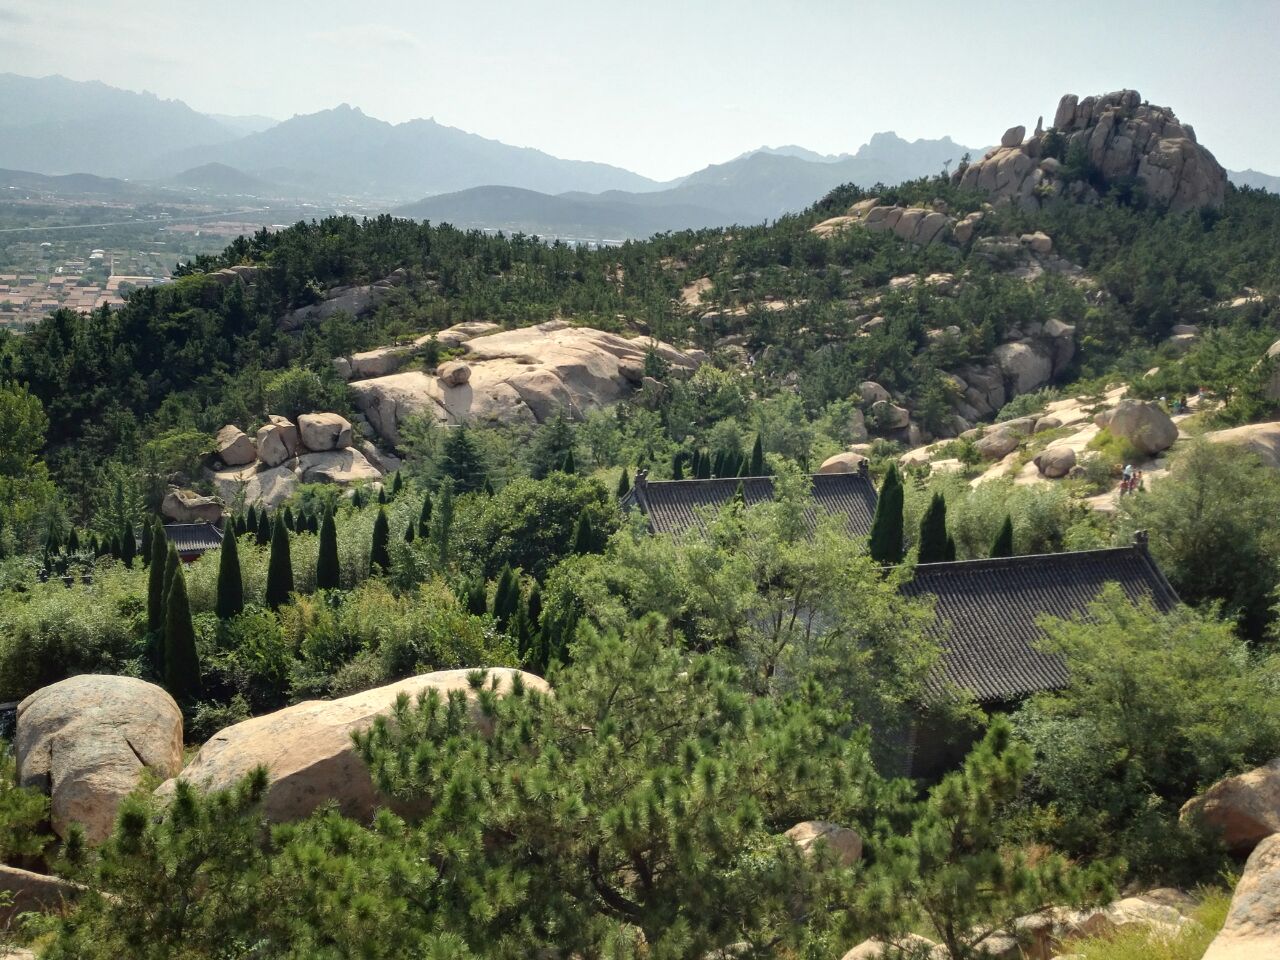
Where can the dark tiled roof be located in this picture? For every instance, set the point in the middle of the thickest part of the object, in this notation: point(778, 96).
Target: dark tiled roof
point(986, 613)
point(193, 537)
point(676, 506)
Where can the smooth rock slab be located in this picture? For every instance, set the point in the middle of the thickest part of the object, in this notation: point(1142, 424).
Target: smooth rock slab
point(1243, 810)
point(86, 742)
point(22, 891)
point(1252, 930)
point(307, 748)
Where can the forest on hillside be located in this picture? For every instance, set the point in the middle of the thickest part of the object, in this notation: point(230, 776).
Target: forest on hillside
point(706, 692)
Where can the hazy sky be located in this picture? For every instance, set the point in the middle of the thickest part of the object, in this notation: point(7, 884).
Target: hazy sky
point(667, 86)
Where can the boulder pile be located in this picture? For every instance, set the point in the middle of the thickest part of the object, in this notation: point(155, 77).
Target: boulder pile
point(516, 376)
point(266, 470)
point(86, 742)
point(1120, 137)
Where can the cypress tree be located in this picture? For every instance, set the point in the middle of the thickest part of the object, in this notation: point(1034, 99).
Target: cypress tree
point(382, 497)
point(442, 526)
point(677, 466)
point(584, 535)
point(533, 606)
point(357, 497)
point(951, 548)
point(279, 567)
point(506, 597)
point(73, 542)
point(379, 557)
point(230, 601)
point(461, 462)
point(757, 457)
point(1003, 547)
point(523, 631)
point(263, 533)
point(570, 466)
point(128, 545)
point(488, 487)
point(717, 464)
point(424, 517)
point(704, 466)
point(397, 484)
point(624, 483)
point(551, 447)
point(409, 533)
point(289, 521)
point(145, 552)
point(933, 531)
point(155, 579)
point(251, 520)
point(327, 569)
point(477, 602)
point(886, 527)
point(172, 567)
point(95, 548)
point(181, 662)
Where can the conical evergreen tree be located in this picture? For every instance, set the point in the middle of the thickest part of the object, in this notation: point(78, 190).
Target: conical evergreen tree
point(533, 606)
point(442, 523)
point(624, 483)
point(523, 631)
point(95, 547)
point(570, 466)
point(677, 466)
point(1003, 547)
point(155, 579)
point(357, 497)
point(717, 464)
point(73, 541)
point(128, 545)
point(951, 548)
point(172, 567)
point(410, 533)
point(933, 531)
point(584, 535)
point(327, 568)
point(756, 468)
point(704, 467)
point(424, 517)
point(181, 662)
point(460, 461)
point(230, 602)
point(477, 601)
point(144, 552)
point(382, 497)
point(263, 533)
point(550, 447)
point(886, 527)
point(397, 484)
point(506, 597)
point(251, 520)
point(279, 567)
point(379, 555)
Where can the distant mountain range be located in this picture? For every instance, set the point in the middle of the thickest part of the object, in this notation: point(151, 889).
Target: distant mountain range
point(1252, 178)
point(54, 126)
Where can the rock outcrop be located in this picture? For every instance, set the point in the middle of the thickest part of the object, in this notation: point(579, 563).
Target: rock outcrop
point(307, 748)
point(842, 844)
point(1262, 438)
point(321, 432)
point(277, 441)
point(1252, 929)
point(1243, 810)
point(517, 376)
point(234, 447)
point(187, 506)
point(1055, 462)
point(355, 300)
point(22, 891)
point(1120, 138)
point(847, 462)
point(1147, 427)
point(86, 742)
point(922, 225)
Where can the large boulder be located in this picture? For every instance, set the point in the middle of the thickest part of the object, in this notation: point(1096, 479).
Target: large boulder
point(841, 843)
point(307, 748)
point(1026, 366)
point(337, 466)
point(187, 506)
point(847, 462)
point(1262, 438)
point(1252, 929)
point(1143, 424)
point(377, 363)
point(871, 393)
point(455, 372)
point(1243, 810)
point(22, 891)
point(996, 445)
point(86, 742)
point(1055, 462)
point(320, 432)
point(889, 416)
point(234, 447)
point(277, 441)
point(517, 376)
point(270, 488)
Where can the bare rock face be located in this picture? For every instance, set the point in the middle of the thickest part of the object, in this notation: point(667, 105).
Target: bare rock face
point(843, 463)
point(1121, 137)
point(889, 416)
point(844, 845)
point(517, 376)
point(187, 506)
point(307, 747)
point(997, 445)
point(234, 447)
point(277, 441)
point(320, 432)
point(1252, 930)
point(271, 488)
point(1242, 809)
point(1262, 438)
point(357, 301)
point(345, 466)
point(86, 742)
point(920, 225)
point(31, 892)
point(376, 363)
point(871, 392)
point(1143, 424)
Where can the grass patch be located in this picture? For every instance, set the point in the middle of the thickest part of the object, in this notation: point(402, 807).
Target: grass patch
point(1189, 944)
point(1115, 450)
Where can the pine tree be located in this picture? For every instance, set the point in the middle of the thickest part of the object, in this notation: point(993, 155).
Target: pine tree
point(533, 606)
point(181, 662)
point(550, 447)
point(1003, 547)
point(424, 517)
point(327, 568)
point(886, 527)
point(379, 556)
point(461, 462)
point(677, 466)
point(506, 597)
point(279, 567)
point(757, 458)
point(155, 579)
point(230, 601)
point(933, 532)
point(584, 535)
point(128, 545)
point(145, 551)
point(624, 484)
point(569, 466)
point(442, 524)
point(263, 533)
point(477, 601)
